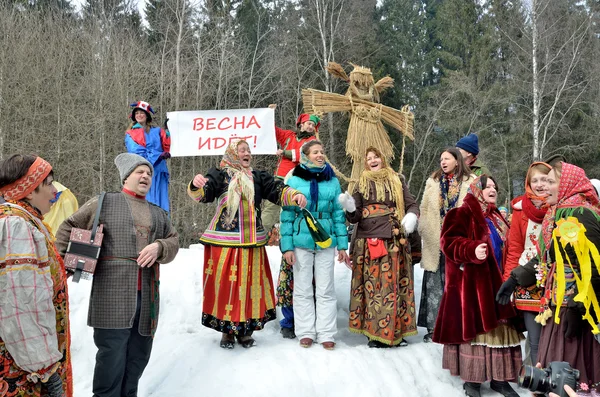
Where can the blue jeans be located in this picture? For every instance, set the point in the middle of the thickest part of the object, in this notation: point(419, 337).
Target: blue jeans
point(288, 317)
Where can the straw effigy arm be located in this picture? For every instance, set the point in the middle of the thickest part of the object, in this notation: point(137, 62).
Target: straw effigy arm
point(402, 120)
point(321, 102)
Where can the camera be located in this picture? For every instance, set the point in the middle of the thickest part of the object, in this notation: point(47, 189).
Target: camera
point(549, 380)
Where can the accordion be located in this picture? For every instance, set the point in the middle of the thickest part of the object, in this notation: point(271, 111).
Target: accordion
point(83, 250)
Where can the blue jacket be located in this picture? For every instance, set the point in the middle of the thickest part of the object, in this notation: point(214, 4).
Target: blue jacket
point(150, 145)
point(330, 214)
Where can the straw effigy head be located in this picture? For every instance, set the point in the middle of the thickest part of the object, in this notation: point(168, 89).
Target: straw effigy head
point(360, 69)
point(361, 76)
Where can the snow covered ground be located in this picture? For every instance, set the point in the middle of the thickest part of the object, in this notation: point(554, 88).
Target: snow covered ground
point(187, 361)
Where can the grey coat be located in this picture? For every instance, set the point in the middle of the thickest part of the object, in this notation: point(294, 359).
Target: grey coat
point(115, 283)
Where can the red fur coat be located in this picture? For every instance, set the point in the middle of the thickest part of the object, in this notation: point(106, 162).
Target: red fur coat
point(468, 307)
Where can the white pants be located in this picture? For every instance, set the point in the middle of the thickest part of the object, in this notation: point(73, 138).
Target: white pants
point(325, 326)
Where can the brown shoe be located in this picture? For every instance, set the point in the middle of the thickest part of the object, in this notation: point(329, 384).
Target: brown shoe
point(306, 342)
point(328, 345)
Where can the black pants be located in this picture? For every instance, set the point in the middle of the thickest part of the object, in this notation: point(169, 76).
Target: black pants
point(121, 359)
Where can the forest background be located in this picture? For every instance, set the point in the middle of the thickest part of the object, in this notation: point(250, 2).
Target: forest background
point(519, 73)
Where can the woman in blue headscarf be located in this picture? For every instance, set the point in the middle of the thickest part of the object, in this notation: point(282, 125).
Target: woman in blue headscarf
point(315, 179)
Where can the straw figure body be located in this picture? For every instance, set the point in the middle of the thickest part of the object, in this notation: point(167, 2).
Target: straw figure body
point(367, 115)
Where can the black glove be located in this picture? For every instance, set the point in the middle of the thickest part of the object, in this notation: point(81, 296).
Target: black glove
point(165, 155)
point(506, 290)
point(54, 386)
point(166, 126)
point(573, 319)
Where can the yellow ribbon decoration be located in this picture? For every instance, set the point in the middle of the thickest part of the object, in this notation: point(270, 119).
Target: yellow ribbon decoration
point(571, 231)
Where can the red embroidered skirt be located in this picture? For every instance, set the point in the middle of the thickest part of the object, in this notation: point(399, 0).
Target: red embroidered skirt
point(238, 289)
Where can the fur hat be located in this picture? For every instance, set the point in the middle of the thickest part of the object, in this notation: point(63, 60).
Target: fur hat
point(469, 143)
point(145, 106)
point(127, 162)
point(304, 117)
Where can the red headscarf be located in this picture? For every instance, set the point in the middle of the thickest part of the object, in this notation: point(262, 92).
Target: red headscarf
point(574, 190)
point(19, 189)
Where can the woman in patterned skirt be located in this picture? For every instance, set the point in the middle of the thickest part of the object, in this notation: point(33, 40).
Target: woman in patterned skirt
point(238, 287)
point(382, 301)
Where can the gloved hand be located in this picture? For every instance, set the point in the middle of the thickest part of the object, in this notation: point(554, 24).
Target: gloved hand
point(409, 222)
point(165, 124)
point(54, 386)
point(506, 290)
point(347, 202)
point(165, 155)
point(573, 319)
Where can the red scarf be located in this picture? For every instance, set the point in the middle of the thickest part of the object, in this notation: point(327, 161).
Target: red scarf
point(531, 211)
point(132, 194)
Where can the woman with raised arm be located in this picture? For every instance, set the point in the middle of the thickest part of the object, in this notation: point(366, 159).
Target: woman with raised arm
point(238, 287)
point(154, 144)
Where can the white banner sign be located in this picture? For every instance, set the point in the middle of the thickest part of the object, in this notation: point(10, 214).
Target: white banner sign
point(209, 132)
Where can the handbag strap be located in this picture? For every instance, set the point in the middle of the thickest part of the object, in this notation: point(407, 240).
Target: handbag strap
point(97, 217)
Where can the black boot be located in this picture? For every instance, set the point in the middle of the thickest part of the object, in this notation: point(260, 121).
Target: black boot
point(376, 344)
point(503, 388)
point(428, 336)
point(472, 389)
point(288, 333)
point(227, 341)
point(246, 340)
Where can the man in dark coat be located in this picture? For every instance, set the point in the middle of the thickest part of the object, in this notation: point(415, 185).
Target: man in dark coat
point(124, 303)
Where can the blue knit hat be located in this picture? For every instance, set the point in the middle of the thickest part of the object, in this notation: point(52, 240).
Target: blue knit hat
point(469, 143)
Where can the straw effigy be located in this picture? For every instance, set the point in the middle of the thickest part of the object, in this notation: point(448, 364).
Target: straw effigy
point(366, 118)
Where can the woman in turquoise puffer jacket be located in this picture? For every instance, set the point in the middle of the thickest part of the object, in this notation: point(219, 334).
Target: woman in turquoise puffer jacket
point(315, 179)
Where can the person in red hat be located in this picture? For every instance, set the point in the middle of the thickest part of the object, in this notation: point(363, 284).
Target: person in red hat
point(289, 142)
point(154, 144)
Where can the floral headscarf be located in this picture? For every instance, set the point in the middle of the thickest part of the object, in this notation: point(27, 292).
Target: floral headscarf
point(496, 223)
point(241, 180)
point(489, 210)
point(574, 191)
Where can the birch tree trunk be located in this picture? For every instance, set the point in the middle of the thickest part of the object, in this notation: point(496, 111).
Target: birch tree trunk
point(535, 82)
point(328, 15)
